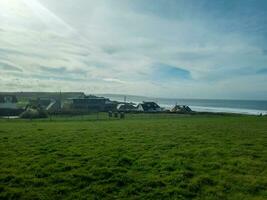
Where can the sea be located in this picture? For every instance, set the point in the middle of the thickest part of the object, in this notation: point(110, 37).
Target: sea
point(250, 107)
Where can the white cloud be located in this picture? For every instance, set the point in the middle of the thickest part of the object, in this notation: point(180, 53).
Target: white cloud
point(101, 46)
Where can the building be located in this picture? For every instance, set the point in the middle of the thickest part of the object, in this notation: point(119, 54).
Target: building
point(126, 107)
point(46, 103)
point(89, 103)
point(8, 102)
point(54, 106)
point(149, 107)
point(41, 102)
point(181, 109)
point(8, 105)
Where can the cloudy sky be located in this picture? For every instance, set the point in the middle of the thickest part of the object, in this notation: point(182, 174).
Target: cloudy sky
point(160, 48)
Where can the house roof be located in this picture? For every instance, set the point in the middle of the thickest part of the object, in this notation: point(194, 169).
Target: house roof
point(126, 107)
point(150, 105)
point(181, 108)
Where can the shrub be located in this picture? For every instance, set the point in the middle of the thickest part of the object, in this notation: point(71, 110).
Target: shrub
point(31, 113)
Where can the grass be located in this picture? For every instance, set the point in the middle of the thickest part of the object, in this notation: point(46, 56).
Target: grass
point(141, 157)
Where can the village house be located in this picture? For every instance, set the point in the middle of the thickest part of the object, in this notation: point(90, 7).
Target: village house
point(8, 105)
point(126, 107)
point(181, 109)
point(149, 107)
point(41, 102)
point(46, 103)
point(8, 102)
point(89, 103)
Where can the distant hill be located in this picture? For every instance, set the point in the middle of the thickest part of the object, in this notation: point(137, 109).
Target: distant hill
point(33, 95)
point(129, 98)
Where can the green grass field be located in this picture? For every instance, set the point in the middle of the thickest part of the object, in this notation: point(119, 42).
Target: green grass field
point(162, 157)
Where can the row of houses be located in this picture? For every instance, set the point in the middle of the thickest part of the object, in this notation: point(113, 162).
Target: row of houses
point(101, 104)
point(80, 104)
point(83, 104)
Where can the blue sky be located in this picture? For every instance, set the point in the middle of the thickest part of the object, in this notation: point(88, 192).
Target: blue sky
point(173, 48)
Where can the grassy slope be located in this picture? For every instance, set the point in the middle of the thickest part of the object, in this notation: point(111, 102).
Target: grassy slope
point(161, 158)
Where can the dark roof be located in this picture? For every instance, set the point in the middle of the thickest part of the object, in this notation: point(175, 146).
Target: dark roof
point(181, 108)
point(149, 105)
point(53, 95)
point(126, 107)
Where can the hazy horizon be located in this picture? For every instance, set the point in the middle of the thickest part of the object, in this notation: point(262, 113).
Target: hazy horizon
point(133, 95)
point(154, 48)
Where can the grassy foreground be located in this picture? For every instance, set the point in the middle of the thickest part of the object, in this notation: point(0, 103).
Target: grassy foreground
point(197, 157)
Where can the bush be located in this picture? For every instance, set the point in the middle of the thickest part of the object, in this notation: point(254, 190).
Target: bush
point(31, 113)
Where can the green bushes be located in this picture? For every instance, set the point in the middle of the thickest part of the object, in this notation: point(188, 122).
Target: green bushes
point(32, 113)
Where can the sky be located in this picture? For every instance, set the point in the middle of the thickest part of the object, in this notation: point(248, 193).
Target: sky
point(158, 48)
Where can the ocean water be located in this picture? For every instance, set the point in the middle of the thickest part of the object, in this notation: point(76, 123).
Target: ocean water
point(228, 106)
point(253, 107)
